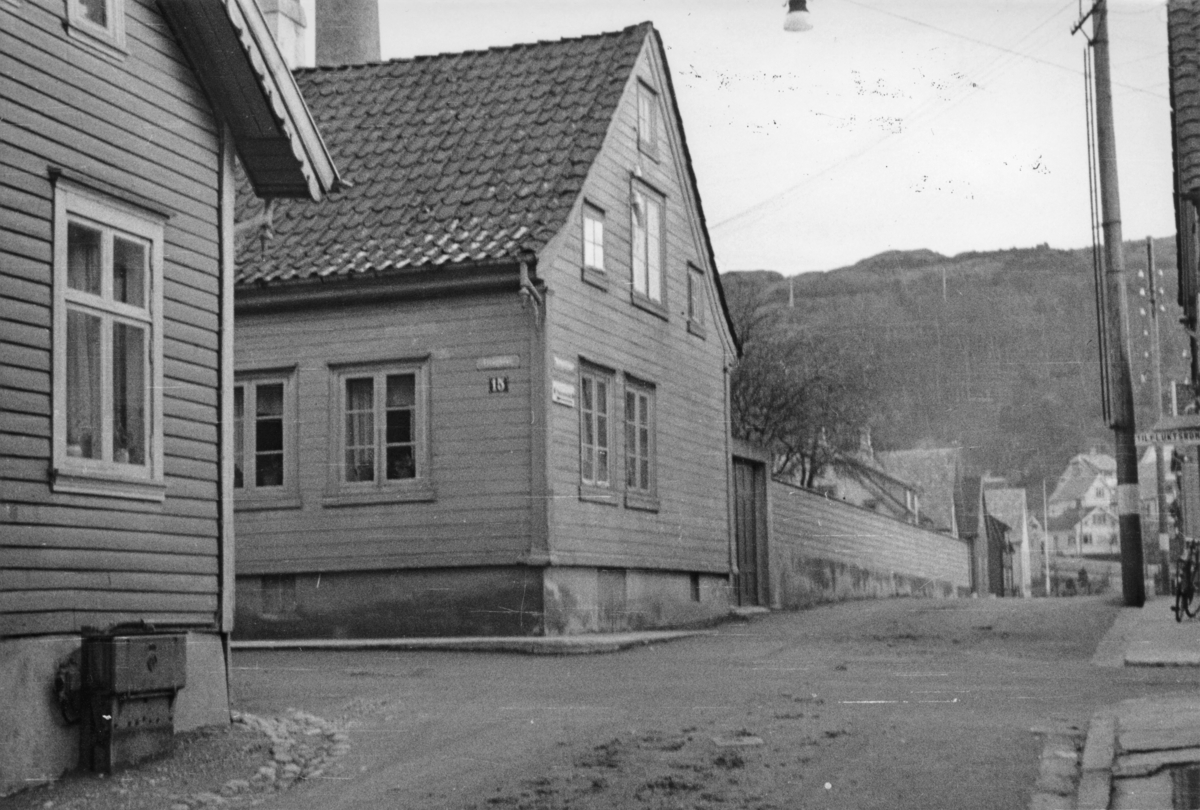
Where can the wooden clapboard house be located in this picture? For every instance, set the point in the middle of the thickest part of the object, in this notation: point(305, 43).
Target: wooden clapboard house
point(117, 138)
point(484, 390)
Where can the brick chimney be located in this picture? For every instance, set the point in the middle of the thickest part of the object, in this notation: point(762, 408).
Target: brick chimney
point(347, 32)
point(287, 22)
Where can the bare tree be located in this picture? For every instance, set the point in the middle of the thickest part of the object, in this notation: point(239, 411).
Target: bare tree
point(803, 396)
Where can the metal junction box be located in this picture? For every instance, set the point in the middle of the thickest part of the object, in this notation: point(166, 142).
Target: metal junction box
point(129, 686)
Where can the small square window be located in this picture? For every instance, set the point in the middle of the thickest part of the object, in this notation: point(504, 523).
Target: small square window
point(98, 24)
point(647, 101)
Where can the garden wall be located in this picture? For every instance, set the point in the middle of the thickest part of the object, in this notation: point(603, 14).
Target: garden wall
point(824, 550)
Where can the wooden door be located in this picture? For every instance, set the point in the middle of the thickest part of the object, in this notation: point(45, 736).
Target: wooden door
point(750, 521)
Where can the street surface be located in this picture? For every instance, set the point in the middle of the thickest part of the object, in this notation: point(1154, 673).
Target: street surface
point(902, 703)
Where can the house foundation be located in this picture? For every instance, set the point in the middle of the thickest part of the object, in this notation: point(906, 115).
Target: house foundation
point(38, 744)
point(483, 601)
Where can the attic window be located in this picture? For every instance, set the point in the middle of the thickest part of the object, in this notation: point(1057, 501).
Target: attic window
point(647, 121)
point(99, 25)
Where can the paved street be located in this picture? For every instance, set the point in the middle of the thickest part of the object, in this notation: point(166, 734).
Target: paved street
point(893, 704)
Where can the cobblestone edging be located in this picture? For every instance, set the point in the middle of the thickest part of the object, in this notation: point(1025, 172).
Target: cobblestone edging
point(1058, 768)
point(302, 747)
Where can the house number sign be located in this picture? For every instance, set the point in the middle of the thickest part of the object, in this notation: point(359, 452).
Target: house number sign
point(497, 385)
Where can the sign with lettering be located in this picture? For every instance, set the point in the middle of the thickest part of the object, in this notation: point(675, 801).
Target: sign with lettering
point(498, 385)
point(563, 393)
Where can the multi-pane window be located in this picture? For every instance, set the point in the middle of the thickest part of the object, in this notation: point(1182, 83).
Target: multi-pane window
point(107, 349)
point(382, 429)
point(260, 441)
point(647, 260)
point(647, 120)
point(595, 396)
point(639, 438)
point(593, 238)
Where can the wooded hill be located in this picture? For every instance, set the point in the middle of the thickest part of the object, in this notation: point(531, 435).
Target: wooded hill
point(995, 351)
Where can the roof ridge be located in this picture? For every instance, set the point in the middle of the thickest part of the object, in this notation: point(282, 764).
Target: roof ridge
point(645, 26)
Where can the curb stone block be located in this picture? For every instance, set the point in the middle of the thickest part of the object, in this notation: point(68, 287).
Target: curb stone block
point(1094, 790)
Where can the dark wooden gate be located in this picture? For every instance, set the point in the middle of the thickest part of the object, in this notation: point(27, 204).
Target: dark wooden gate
point(750, 530)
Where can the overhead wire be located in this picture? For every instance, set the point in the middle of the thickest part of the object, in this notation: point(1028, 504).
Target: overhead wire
point(914, 117)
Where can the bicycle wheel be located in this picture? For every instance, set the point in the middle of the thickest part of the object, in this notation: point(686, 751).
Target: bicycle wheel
point(1183, 592)
point(1191, 605)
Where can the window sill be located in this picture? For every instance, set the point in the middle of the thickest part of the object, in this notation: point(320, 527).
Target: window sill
point(650, 305)
point(594, 494)
point(248, 502)
point(410, 494)
point(697, 329)
point(107, 47)
point(642, 501)
point(596, 277)
point(107, 484)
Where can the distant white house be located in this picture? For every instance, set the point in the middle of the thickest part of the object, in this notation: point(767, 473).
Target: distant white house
point(1090, 480)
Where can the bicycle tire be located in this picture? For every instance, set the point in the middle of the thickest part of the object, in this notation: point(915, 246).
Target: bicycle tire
point(1184, 591)
point(1191, 605)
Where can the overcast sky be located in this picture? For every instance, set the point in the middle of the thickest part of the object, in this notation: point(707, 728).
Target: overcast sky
point(894, 124)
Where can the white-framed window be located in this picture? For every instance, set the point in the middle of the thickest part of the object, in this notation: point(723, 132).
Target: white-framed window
point(107, 348)
point(648, 246)
point(647, 102)
point(99, 24)
point(380, 430)
point(593, 237)
point(641, 488)
point(596, 393)
point(696, 301)
point(264, 441)
point(594, 270)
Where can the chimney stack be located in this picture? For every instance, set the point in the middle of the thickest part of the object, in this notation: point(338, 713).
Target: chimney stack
point(286, 20)
point(347, 32)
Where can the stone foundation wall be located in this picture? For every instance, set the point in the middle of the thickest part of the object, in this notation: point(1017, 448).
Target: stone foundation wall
point(37, 745)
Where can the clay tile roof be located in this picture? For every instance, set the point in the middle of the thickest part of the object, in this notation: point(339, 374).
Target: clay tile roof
point(1183, 35)
point(453, 159)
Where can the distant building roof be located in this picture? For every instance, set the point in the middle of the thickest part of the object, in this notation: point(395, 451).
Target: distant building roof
point(1081, 471)
point(934, 473)
point(1006, 504)
point(453, 159)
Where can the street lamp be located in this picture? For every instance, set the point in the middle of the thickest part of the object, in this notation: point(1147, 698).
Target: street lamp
point(797, 18)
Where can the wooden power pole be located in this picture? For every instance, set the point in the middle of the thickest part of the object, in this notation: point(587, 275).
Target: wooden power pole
point(1116, 321)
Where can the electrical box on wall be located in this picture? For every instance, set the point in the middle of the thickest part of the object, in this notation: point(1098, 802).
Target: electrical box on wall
point(129, 684)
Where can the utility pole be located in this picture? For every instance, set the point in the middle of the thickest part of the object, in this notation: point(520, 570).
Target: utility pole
point(1046, 536)
point(1120, 398)
point(1156, 362)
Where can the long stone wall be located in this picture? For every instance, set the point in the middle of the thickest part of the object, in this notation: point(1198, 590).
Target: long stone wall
point(825, 550)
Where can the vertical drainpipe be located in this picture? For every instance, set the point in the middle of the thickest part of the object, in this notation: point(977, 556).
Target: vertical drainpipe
point(225, 545)
point(541, 496)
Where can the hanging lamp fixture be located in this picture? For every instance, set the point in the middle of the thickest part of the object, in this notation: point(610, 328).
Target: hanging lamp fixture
point(797, 18)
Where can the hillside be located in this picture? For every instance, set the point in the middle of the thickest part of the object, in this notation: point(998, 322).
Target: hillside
point(995, 351)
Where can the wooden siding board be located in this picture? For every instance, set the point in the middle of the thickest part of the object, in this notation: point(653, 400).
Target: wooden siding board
point(15, 333)
point(70, 621)
point(120, 540)
point(108, 561)
point(691, 526)
point(35, 601)
point(480, 442)
point(33, 579)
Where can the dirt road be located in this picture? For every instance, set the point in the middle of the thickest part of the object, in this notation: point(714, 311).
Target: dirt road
point(908, 703)
point(893, 704)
